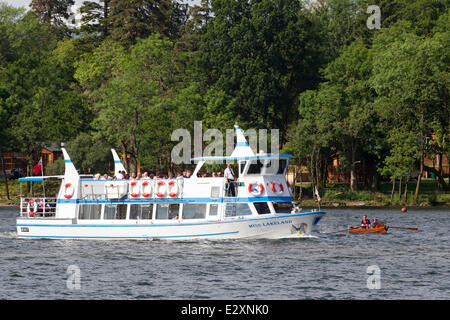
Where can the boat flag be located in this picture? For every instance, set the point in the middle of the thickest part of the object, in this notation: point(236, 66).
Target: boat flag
point(317, 194)
point(37, 168)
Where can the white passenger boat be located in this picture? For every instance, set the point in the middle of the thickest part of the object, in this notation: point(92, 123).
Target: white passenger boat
point(188, 208)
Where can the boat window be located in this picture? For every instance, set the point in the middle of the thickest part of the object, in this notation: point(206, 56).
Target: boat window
point(110, 211)
point(255, 167)
point(215, 192)
point(167, 211)
point(194, 210)
point(237, 209)
point(141, 211)
point(89, 211)
point(242, 166)
point(213, 209)
point(121, 211)
point(283, 207)
point(262, 207)
point(267, 166)
point(113, 211)
point(282, 166)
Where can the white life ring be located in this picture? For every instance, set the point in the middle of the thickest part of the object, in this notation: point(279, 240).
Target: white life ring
point(69, 190)
point(146, 189)
point(160, 189)
point(173, 188)
point(134, 189)
point(32, 204)
point(280, 188)
point(255, 191)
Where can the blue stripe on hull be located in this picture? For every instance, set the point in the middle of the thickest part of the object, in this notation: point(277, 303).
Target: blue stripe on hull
point(141, 237)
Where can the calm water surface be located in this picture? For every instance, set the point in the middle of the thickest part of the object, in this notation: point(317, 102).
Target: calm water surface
point(413, 264)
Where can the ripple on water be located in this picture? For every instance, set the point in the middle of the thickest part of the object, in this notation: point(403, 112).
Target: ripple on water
point(413, 265)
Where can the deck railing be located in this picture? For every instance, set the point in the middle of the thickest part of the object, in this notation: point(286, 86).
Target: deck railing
point(37, 207)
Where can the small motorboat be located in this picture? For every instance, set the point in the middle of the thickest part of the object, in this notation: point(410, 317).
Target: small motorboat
point(381, 228)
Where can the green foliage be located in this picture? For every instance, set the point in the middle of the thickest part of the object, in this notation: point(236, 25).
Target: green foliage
point(137, 70)
point(262, 54)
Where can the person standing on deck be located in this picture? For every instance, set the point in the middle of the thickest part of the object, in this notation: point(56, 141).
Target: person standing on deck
point(229, 177)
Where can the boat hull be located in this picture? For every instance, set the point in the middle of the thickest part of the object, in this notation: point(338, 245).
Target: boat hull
point(377, 229)
point(272, 226)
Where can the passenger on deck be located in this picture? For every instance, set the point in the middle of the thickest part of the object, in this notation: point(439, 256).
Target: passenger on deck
point(133, 176)
point(214, 175)
point(152, 176)
point(188, 173)
point(229, 177)
point(170, 175)
point(97, 176)
point(145, 175)
point(105, 177)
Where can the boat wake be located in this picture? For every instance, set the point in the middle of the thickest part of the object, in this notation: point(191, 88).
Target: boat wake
point(302, 236)
point(8, 235)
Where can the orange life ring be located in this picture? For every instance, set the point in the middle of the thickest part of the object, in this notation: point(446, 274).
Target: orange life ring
point(68, 190)
point(133, 185)
point(33, 203)
point(158, 189)
point(172, 185)
point(275, 189)
point(256, 192)
point(146, 193)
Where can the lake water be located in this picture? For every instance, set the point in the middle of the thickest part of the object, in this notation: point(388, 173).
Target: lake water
point(411, 264)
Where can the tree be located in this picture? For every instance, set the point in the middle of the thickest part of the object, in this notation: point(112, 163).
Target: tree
point(407, 76)
point(261, 53)
point(138, 120)
point(133, 19)
point(52, 12)
point(95, 18)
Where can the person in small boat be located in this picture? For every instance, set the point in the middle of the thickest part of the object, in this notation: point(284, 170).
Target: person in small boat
point(375, 223)
point(365, 223)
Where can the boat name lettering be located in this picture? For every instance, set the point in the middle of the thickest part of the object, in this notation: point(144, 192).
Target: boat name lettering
point(269, 223)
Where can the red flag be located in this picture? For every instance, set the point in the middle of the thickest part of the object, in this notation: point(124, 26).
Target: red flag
point(37, 168)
